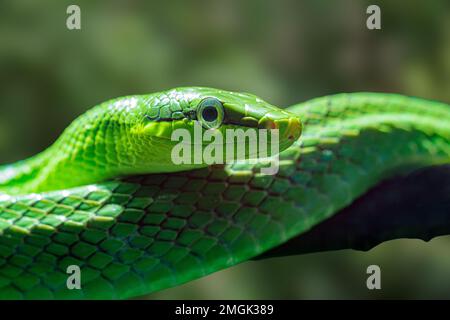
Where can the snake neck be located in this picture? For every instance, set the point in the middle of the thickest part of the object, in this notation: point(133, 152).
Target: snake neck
point(70, 161)
point(52, 169)
point(14, 176)
point(94, 148)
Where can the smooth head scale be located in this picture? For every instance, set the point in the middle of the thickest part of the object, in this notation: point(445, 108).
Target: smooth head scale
point(134, 135)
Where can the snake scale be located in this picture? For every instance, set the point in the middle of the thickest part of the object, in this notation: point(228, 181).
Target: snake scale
point(106, 198)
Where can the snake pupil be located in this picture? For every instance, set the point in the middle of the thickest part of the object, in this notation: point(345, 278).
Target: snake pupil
point(210, 114)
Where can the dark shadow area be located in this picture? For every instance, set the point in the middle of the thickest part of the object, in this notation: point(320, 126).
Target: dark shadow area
point(413, 206)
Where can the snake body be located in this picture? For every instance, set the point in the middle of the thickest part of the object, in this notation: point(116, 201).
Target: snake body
point(156, 227)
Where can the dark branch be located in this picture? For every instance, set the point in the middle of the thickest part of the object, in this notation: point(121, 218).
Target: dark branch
point(413, 206)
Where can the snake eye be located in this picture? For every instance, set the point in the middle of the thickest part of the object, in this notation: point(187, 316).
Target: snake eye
point(210, 113)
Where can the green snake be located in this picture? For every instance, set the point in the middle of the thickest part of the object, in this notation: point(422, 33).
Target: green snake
point(107, 198)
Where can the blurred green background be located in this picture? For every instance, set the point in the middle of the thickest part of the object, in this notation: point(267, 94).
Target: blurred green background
point(284, 51)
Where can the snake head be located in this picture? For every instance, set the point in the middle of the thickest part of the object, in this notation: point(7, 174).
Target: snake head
point(180, 128)
point(175, 130)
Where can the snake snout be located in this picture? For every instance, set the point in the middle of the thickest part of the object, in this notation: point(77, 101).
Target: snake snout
point(289, 128)
point(294, 129)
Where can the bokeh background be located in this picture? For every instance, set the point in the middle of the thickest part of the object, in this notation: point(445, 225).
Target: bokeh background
point(284, 51)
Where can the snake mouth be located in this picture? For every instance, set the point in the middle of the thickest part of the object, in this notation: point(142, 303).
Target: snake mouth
point(240, 138)
point(272, 134)
point(289, 129)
